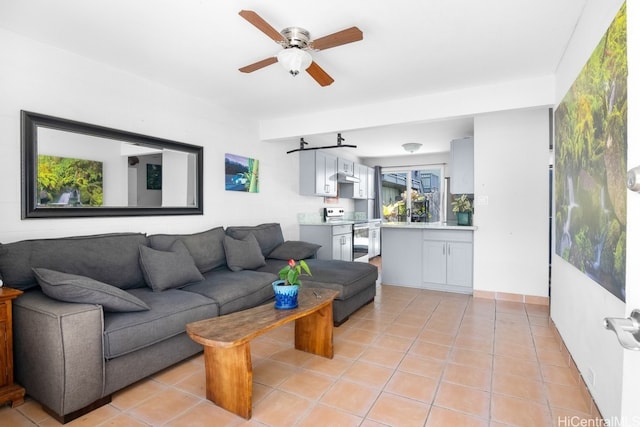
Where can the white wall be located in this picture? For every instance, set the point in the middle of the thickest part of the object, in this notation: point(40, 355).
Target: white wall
point(43, 79)
point(578, 304)
point(631, 363)
point(511, 172)
point(413, 159)
point(437, 106)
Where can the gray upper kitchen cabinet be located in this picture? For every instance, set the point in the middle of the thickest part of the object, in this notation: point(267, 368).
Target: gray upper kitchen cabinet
point(345, 166)
point(318, 174)
point(461, 166)
point(371, 189)
point(359, 189)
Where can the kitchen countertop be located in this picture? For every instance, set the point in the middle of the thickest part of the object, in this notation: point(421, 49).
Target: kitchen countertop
point(340, 222)
point(428, 225)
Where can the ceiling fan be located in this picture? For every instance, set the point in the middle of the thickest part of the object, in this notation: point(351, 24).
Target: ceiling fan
point(296, 45)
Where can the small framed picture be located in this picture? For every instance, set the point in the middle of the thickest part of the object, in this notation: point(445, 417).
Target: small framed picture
point(154, 177)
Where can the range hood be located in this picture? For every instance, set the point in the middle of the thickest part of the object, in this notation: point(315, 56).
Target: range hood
point(343, 178)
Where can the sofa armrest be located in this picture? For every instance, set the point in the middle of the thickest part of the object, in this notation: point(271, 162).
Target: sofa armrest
point(58, 351)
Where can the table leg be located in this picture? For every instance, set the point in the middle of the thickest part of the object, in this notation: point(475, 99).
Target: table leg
point(229, 377)
point(314, 333)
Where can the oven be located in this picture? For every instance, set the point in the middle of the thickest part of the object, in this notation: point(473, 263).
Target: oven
point(361, 242)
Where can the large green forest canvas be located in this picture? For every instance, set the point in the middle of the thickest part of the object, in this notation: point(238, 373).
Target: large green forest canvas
point(591, 164)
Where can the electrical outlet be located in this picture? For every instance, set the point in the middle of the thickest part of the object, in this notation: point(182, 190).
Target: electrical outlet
point(481, 201)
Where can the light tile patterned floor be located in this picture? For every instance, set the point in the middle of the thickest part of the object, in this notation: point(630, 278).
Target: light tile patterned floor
point(411, 358)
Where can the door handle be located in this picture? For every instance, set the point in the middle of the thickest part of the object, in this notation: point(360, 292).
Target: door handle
point(627, 330)
point(633, 179)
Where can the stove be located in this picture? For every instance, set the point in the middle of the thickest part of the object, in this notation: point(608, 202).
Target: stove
point(359, 234)
point(333, 214)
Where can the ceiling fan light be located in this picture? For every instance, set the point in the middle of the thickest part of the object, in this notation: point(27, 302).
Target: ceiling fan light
point(411, 146)
point(294, 60)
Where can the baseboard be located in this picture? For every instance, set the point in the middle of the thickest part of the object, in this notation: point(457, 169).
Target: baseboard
point(505, 296)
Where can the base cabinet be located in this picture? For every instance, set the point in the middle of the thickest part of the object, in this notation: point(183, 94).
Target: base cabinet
point(336, 240)
point(434, 266)
point(429, 259)
point(374, 241)
point(447, 265)
point(342, 248)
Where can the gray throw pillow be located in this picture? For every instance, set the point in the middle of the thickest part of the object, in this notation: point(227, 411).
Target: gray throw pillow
point(294, 249)
point(73, 288)
point(243, 254)
point(206, 247)
point(268, 235)
point(168, 269)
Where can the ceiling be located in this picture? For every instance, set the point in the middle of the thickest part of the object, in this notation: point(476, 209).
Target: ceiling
point(410, 47)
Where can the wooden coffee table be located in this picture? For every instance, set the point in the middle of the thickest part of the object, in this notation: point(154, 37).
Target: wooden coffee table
point(227, 356)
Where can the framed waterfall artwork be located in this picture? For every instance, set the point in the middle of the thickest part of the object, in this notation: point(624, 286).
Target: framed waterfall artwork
point(591, 164)
point(241, 173)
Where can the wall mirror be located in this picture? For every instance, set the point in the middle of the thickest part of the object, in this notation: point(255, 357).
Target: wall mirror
point(75, 169)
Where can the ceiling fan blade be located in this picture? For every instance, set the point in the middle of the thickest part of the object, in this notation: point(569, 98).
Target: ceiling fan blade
point(262, 25)
point(339, 38)
point(257, 65)
point(319, 74)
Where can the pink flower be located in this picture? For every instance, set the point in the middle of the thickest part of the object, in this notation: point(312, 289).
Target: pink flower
point(292, 263)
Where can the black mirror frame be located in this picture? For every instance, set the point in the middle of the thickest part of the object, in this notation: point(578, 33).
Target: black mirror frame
point(29, 158)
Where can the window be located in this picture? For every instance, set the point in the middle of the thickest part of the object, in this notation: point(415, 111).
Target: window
point(412, 194)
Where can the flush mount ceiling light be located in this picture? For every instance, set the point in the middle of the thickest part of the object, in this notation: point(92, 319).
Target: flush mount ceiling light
point(411, 146)
point(294, 60)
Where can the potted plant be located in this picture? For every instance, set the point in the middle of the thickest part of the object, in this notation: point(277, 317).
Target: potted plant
point(463, 208)
point(286, 289)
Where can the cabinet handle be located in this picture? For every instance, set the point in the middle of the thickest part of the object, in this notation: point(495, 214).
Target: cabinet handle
point(448, 249)
point(443, 245)
point(326, 188)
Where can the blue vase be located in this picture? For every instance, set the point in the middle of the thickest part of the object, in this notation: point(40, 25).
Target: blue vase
point(286, 296)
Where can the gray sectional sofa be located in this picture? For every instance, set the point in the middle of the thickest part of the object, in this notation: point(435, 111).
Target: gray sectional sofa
point(102, 312)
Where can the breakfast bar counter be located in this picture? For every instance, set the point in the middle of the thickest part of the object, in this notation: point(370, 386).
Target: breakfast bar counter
point(428, 255)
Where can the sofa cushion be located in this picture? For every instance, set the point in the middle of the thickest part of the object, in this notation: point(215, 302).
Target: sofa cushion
point(109, 258)
point(168, 269)
point(349, 278)
point(80, 289)
point(170, 312)
point(235, 290)
point(293, 249)
point(269, 235)
point(206, 248)
point(243, 254)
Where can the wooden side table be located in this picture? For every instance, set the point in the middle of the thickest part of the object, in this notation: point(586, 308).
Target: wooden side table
point(8, 390)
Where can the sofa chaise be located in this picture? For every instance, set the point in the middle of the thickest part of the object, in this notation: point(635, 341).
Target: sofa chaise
point(104, 311)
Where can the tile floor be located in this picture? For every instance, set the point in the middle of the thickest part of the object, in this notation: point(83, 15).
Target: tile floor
point(411, 358)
